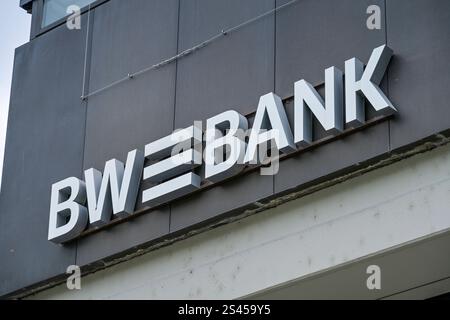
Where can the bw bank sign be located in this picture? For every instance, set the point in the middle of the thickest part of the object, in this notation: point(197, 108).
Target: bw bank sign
point(167, 165)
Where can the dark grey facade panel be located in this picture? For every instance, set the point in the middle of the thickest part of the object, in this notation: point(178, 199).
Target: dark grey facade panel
point(419, 76)
point(131, 35)
point(239, 193)
point(130, 235)
point(45, 143)
point(312, 35)
point(321, 163)
point(129, 116)
point(231, 73)
point(127, 37)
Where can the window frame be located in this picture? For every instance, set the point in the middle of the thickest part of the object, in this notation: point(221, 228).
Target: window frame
point(38, 15)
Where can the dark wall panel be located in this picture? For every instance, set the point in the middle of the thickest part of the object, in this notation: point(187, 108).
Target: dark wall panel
point(232, 72)
point(126, 236)
point(45, 142)
point(419, 76)
point(239, 193)
point(332, 157)
point(313, 35)
point(127, 37)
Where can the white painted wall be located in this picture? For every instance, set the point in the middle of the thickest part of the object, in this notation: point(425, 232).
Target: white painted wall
point(336, 226)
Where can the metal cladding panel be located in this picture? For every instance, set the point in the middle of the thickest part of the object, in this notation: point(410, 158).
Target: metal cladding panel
point(312, 35)
point(304, 49)
point(127, 37)
point(220, 201)
point(233, 71)
point(419, 77)
point(45, 142)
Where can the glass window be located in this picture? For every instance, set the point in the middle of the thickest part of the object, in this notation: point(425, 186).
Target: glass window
point(57, 9)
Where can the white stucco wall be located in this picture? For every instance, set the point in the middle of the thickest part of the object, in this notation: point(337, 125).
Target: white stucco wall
point(359, 218)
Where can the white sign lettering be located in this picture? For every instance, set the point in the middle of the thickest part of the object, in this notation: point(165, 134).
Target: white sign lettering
point(176, 164)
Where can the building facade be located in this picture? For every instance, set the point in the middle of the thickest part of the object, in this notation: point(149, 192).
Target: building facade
point(357, 207)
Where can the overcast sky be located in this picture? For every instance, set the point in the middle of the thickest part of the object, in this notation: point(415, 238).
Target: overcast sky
point(14, 31)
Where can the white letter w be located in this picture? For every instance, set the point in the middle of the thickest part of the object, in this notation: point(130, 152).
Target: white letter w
point(116, 191)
